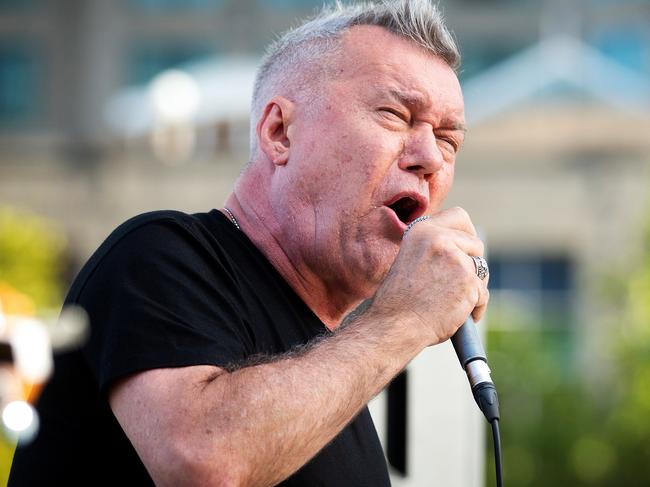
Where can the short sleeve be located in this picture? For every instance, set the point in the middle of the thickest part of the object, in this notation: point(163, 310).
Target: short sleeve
point(162, 296)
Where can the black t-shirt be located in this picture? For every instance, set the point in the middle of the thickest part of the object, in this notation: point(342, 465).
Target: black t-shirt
point(168, 289)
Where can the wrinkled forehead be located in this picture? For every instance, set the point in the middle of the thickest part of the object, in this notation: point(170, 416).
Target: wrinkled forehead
point(373, 58)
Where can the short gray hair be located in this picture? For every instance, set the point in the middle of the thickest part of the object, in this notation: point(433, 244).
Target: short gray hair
point(288, 61)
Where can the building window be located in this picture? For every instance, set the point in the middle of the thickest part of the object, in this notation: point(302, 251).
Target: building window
point(18, 84)
point(531, 290)
point(497, 2)
point(293, 4)
point(148, 61)
point(629, 46)
point(479, 55)
point(17, 5)
point(175, 5)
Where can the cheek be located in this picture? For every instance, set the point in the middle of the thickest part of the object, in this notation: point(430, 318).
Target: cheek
point(362, 152)
point(349, 153)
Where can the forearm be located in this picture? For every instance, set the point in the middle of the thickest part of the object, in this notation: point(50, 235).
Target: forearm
point(268, 420)
point(308, 399)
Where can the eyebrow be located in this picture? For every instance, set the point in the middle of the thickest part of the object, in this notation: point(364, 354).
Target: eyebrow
point(418, 100)
point(454, 125)
point(408, 98)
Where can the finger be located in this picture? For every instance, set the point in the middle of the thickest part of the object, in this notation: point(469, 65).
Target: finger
point(481, 306)
point(456, 218)
point(439, 238)
point(483, 294)
point(468, 244)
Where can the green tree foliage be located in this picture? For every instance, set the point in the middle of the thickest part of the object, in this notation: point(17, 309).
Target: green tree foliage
point(557, 429)
point(31, 251)
point(31, 262)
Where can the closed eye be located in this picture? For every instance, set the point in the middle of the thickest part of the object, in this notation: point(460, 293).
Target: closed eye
point(449, 142)
point(394, 114)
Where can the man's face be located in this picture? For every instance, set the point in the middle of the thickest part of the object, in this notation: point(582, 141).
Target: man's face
point(374, 150)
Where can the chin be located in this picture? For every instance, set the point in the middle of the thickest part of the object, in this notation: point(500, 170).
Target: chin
point(375, 268)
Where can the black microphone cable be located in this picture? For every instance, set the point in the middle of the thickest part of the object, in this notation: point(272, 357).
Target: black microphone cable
point(497, 451)
point(485, 395)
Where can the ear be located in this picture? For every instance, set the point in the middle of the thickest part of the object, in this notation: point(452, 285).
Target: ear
point(273, 130)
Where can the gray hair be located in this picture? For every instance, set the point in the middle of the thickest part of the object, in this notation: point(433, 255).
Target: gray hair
point(298, 55)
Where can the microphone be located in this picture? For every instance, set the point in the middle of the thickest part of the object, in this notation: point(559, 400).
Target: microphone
point(472, 359)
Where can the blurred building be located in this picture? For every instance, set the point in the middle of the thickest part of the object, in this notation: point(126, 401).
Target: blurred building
point(554, 170)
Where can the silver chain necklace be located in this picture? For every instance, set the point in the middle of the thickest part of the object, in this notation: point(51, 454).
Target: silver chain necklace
point(232, 218)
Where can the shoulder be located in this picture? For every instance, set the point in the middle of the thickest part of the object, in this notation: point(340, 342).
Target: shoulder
point(160, 218)
point(161, 228)
point(147, 233)
point(153, 239)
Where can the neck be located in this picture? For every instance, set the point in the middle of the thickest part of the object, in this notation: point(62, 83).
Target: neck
point(331, 303)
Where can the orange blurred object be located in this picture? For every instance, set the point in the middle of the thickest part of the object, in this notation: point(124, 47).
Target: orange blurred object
point(13, 302)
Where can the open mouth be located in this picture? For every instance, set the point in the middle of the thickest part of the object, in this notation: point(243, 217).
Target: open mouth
point(407, 209)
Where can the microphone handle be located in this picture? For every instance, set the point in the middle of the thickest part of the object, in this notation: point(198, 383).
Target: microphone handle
point(473, 360)
point(468, 344)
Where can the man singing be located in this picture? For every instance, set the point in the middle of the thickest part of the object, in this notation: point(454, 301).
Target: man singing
point(217, 354)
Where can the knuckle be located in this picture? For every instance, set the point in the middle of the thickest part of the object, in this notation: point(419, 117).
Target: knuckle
point(468, 278)
point(463, 216)
point(440, 242)
point(460, 212)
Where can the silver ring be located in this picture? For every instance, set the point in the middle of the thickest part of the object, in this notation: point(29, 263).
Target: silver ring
point(417, 220)
point(482, 270)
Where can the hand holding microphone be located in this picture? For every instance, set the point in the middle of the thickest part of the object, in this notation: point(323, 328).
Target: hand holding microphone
point(469, 348)
point(432, 286)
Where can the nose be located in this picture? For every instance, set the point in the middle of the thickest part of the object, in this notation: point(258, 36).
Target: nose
point(421, 154)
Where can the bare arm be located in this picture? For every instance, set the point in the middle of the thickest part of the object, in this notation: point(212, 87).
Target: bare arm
point(258, 425)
